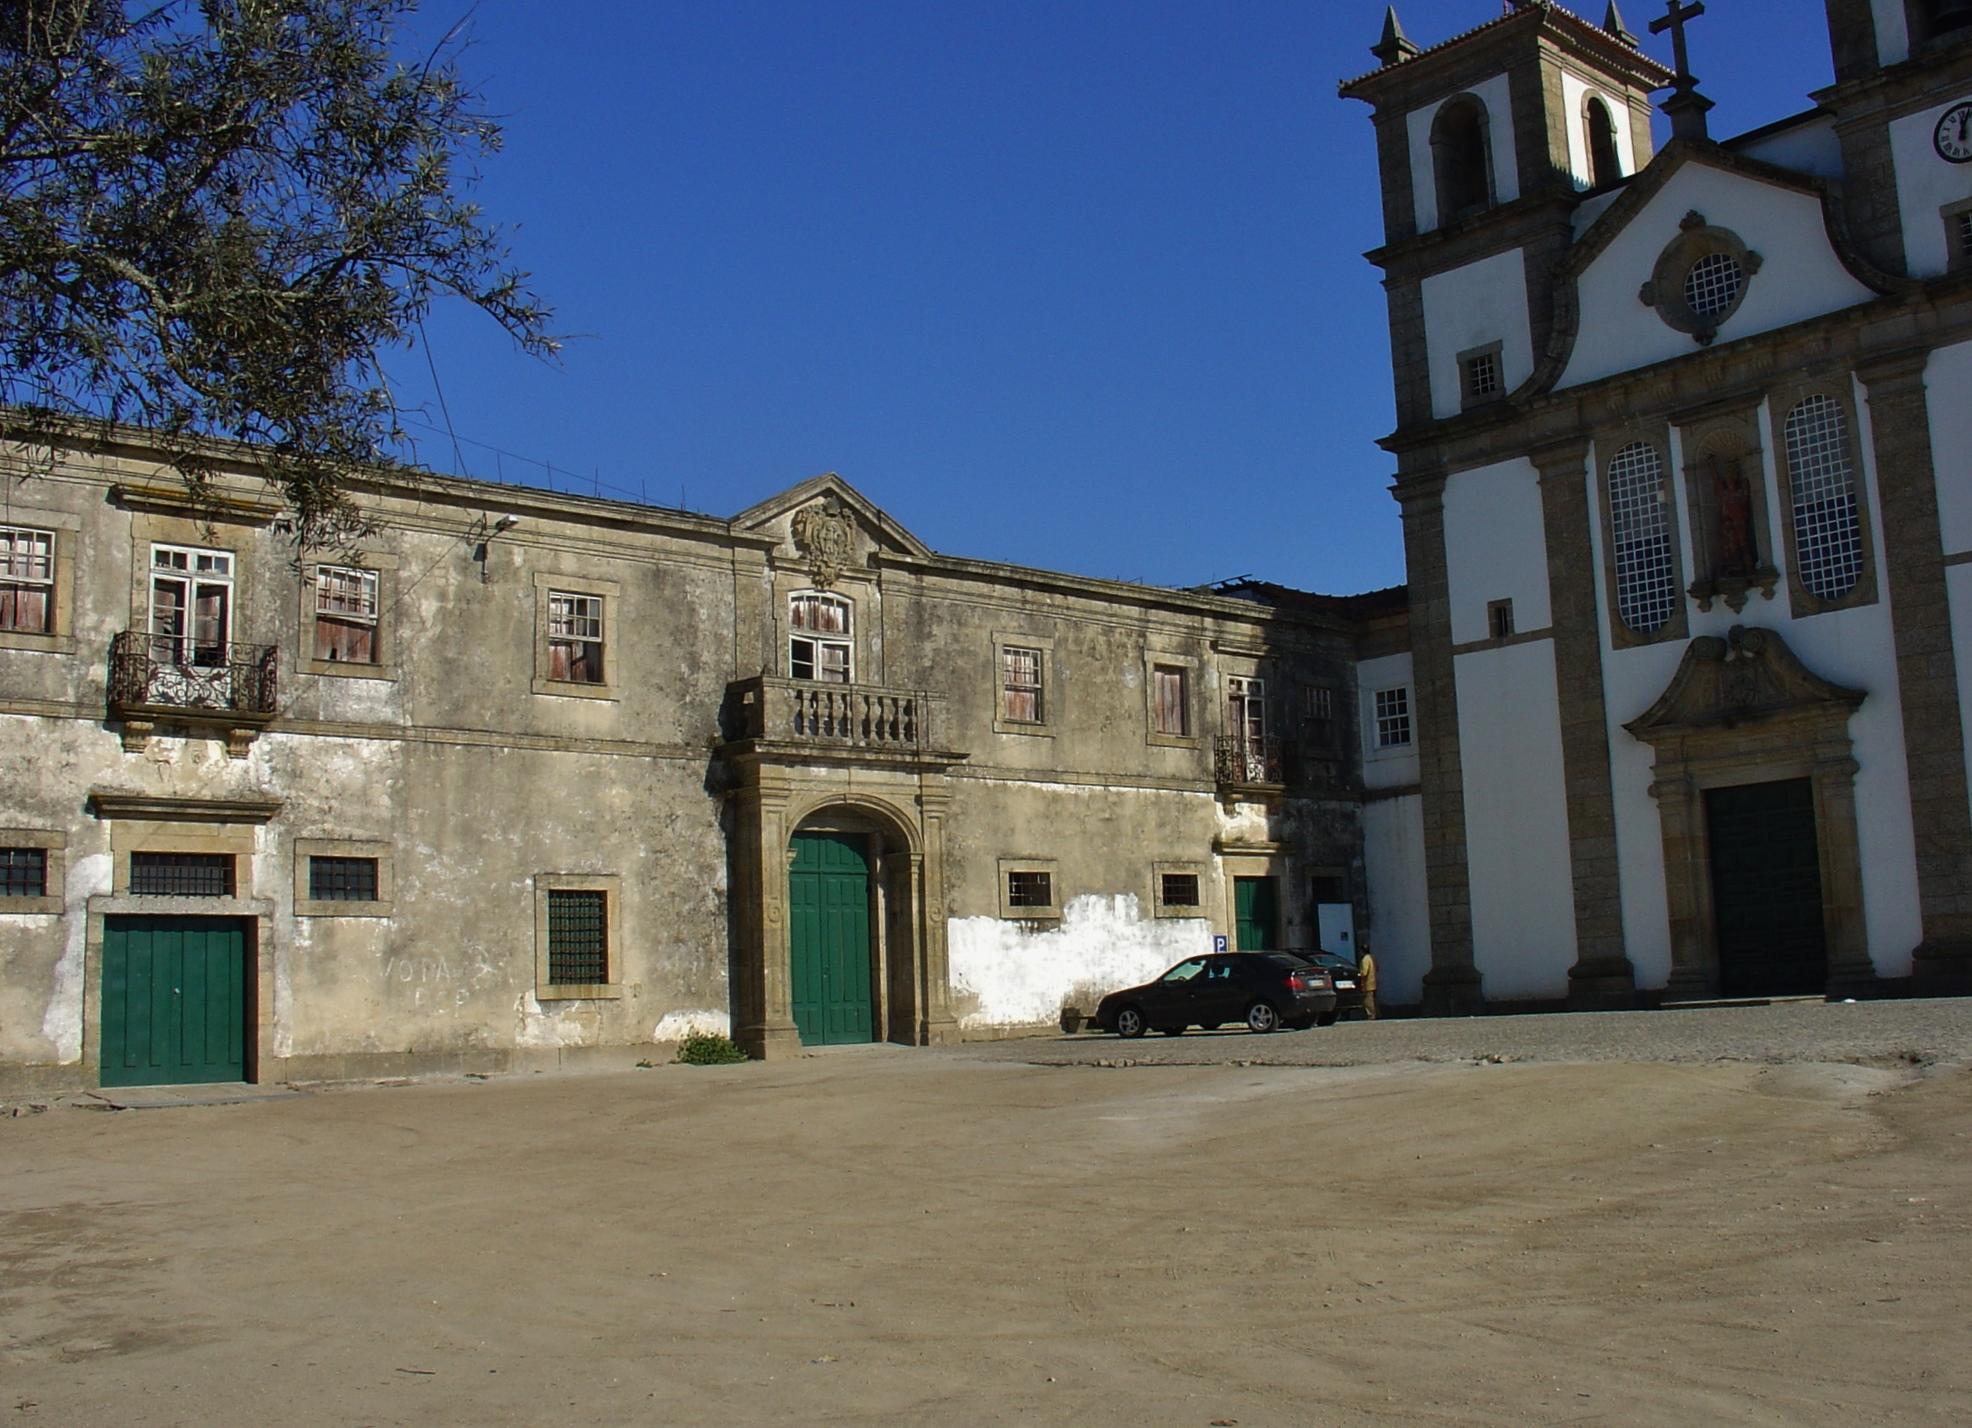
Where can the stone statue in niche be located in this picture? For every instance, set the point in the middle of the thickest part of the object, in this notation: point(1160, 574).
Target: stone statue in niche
point(1737, 555)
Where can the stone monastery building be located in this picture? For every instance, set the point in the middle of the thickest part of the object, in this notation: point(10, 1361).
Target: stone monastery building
point(1674, 703)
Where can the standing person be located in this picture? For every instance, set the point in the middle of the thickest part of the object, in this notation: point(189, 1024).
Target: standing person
point(1366, 979)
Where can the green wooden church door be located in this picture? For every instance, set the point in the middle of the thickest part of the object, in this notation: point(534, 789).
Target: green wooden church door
point(174, 1000)
point(829, 938)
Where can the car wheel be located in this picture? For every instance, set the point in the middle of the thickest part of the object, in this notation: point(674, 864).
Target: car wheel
point(1129, 1022)
point(1325, 1019)
point(1172, 1030)
point(1261, 1017)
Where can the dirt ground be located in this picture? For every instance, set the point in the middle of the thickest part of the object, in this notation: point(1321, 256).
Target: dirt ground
point(894, 1237)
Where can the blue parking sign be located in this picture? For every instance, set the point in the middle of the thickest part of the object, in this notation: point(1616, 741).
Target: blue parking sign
point(1218, 942)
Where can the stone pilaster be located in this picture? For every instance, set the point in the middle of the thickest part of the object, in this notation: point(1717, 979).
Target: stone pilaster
point(761, 967)
point(1602, 974)
point(936, 1025)
point(1927, 669)
point(1451, 987)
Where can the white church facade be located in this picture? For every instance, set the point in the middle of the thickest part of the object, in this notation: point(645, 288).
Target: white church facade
point(1684, 455)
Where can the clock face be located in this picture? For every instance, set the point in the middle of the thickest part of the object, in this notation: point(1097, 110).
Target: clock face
point(1953, 136)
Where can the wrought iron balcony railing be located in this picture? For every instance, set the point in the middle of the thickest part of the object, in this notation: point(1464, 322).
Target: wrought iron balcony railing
point(1247, 760)
point(154, 673)
point(859, 716)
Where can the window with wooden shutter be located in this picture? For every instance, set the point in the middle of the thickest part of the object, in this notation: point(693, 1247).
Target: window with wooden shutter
point(27, 580)
point(345, 614)
point(1170, 704)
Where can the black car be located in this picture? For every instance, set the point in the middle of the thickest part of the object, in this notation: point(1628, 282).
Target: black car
point(1348, 988)
point(1266, 990)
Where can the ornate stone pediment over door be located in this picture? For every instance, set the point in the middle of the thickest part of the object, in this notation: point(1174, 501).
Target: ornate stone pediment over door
point(1742, 709)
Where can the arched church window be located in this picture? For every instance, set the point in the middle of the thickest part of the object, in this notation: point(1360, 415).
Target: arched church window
point(1462, 157)
point(1640, 531)
point(1603, 165)
point(820, 640)
point(1827, 532)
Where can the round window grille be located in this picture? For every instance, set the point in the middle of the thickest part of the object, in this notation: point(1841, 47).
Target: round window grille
point(1712, 284)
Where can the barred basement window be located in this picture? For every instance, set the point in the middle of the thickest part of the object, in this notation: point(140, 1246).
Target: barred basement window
point(1030, 889)
point(182, 874)
point(1178, 890)
point(578, 938)
point(1393, 718)
point(1827, 533)
point(342, 879)
point(1640, 530)
point(23, 872)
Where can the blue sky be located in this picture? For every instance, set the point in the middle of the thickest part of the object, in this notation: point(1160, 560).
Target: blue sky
point(1074, 284)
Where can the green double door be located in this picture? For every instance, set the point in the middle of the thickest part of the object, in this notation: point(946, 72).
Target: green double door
point(174, 1000)
point(1256, 914)
point(829, 938)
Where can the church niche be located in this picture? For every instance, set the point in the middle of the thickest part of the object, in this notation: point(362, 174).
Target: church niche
point(1729, 526)
point(1462, 157)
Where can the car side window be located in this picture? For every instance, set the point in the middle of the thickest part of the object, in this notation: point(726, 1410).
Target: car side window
point(1184, 971)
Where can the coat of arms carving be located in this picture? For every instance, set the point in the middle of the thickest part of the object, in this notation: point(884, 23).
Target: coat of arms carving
point(825, 534)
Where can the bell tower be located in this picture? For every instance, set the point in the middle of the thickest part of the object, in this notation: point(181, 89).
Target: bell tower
point(1486, 144)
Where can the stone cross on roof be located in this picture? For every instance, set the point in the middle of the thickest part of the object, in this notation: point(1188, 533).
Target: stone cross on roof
point(1686, 106)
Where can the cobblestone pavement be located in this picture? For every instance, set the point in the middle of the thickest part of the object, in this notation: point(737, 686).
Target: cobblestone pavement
point(1917, 1033)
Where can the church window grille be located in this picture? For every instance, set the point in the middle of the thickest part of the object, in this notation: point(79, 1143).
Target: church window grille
point(578, 937)
point(1712, 285)
point(819, 645)
point(1640, 529)
point(1827, 531)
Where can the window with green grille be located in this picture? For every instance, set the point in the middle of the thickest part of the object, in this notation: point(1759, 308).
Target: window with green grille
point(578, 938)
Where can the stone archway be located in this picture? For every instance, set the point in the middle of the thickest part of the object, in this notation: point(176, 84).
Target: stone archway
point(1743, 710)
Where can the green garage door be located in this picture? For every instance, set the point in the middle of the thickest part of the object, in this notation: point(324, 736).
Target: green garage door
point(174, 1000)
point(829, 938)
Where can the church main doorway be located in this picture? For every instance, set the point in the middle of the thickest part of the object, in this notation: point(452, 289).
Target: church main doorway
point(829, 938)
point(1766, 889)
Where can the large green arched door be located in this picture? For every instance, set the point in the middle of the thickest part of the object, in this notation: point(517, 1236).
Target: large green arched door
point(829, 938)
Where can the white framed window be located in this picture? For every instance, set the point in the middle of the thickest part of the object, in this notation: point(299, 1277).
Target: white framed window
point(1640, 531)
point(191, 605)
point(1392, 709)
point(821, 638)
point(1827, 528)
point(27, 580)
point(1246, 708)
point(575, 637)
point(345, 615)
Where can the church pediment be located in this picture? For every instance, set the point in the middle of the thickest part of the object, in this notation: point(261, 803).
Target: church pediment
point(1747, 676)
point(829, 526)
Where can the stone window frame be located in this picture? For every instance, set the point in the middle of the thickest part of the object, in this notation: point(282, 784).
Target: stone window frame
point(1153, 660)
point(1608, 441)
point(1957, 218)
point(611, 886)
point(1044, 727)
point(1469, 395)
point(385, 666)
point(308, 848)
point(54, 873)
point(1839, 387)
point(547, 584)
point(1177, 868)
point(66, 530)
point(1696, 241)
point(1028, 912)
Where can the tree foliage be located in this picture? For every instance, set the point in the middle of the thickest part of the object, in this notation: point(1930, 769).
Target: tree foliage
point(216, 216)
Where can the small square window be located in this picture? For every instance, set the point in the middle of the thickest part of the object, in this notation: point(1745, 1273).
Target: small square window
point(23, 872)
point(182, 874)
point(1499, 619)
point(1178, 889)
point(1393, 718)
point(1481, 375)
point(334, 879)
point(1030, 889)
